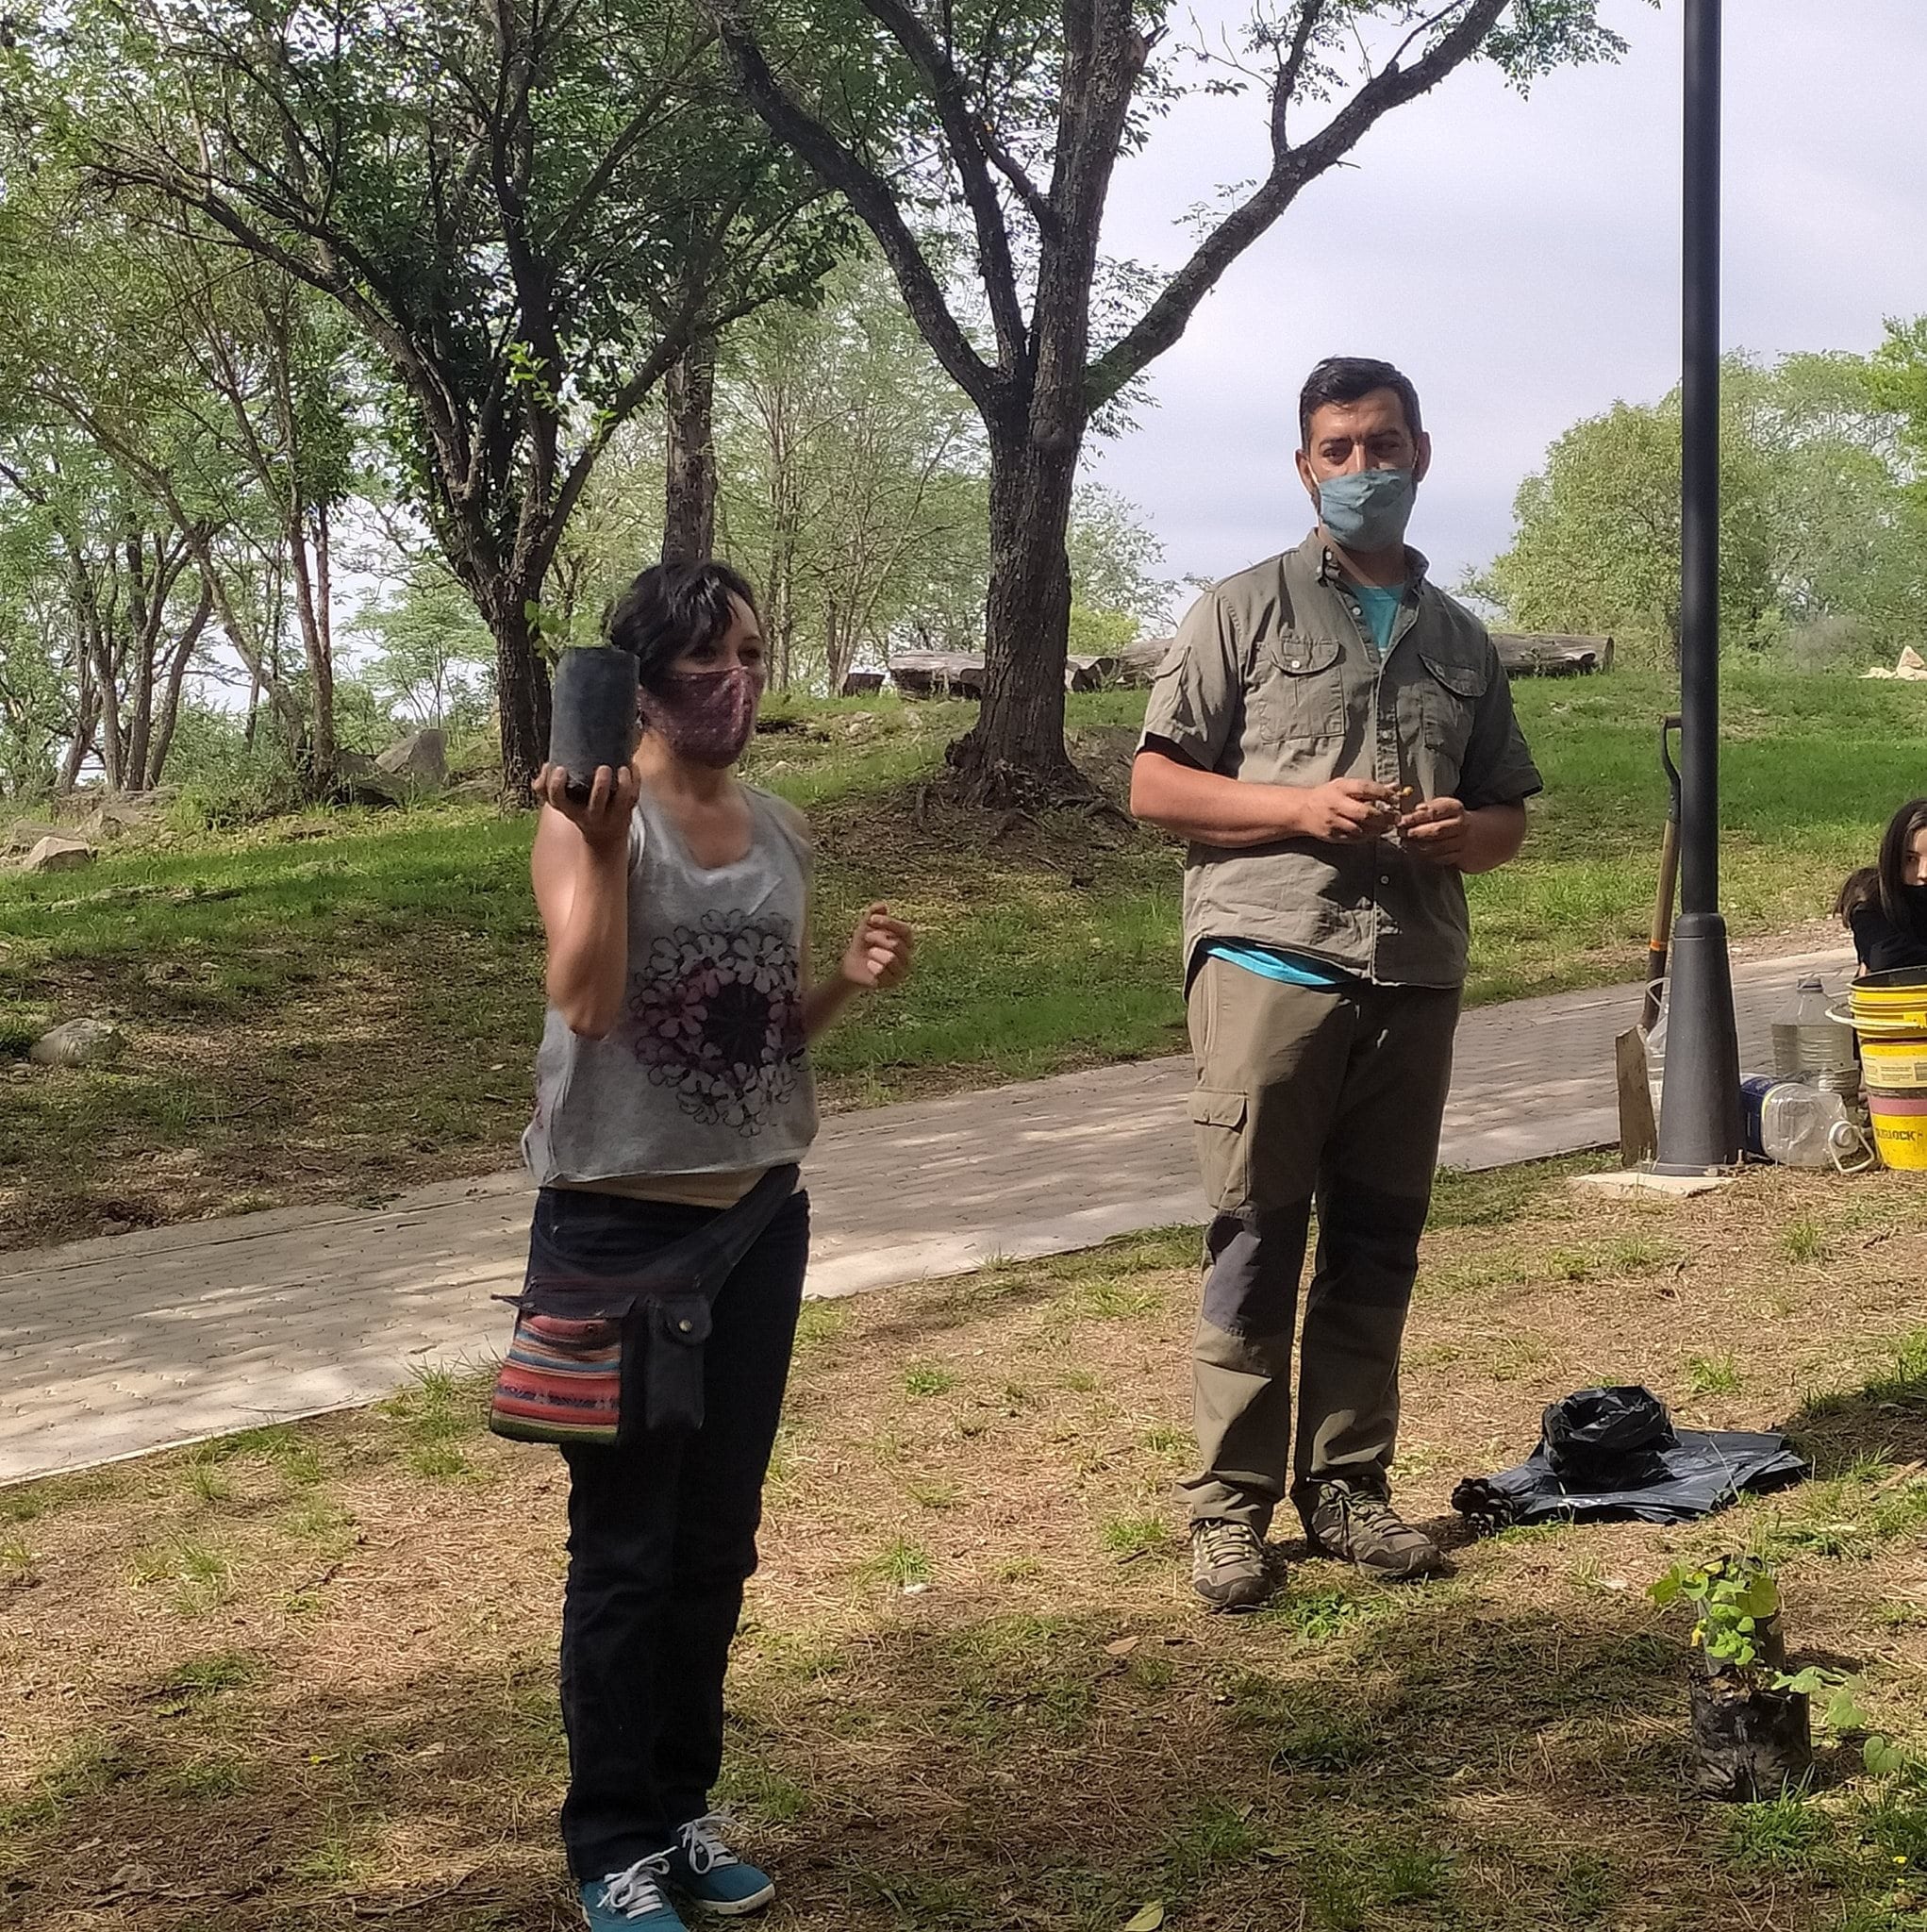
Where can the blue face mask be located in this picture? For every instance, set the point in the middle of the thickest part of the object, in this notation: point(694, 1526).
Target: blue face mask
point(1369, 509)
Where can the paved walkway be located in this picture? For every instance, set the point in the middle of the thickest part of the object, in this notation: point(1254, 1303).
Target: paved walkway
point(112, 1347)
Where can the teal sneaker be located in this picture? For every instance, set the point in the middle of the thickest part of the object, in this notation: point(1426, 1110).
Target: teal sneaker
point(631, 1900)
point(715, 1879)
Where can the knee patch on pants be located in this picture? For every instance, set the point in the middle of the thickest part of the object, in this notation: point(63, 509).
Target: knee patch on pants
point(1253, 1264)
point(1374, 1232)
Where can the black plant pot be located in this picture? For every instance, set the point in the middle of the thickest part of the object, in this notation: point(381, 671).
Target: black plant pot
point(593, 717)
point(1748, 1743)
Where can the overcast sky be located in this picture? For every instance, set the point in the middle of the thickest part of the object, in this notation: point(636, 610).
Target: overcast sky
point(1519, 259)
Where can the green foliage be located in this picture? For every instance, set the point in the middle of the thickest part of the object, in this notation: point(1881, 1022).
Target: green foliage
point(431, 658)
point(978, 145)
point(853, 488)
point(524, 215)
point(1733, 1600)
point(1818, 536)
point(1736, 1602)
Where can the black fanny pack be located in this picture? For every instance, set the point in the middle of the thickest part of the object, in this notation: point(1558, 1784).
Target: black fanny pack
point(602, 1356)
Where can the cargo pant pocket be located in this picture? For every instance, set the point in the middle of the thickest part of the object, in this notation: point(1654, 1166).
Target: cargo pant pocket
point(1221, 1127)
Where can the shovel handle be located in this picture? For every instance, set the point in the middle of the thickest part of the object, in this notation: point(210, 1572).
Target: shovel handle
point(1659, 936)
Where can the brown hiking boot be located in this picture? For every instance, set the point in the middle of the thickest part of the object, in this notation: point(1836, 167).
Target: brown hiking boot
point(1230, 1568)
point(1361, 1528)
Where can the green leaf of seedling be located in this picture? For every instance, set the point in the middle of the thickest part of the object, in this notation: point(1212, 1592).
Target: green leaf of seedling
point(1149, 1920)
point(1843, 1714)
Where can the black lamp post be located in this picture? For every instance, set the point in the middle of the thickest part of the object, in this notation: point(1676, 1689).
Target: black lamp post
point(1699, 1124)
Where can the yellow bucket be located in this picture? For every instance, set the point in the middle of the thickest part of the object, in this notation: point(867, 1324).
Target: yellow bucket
point(1895, 1065)
point(1891, 996)
point(1888, 1012)
point(1899, 1128)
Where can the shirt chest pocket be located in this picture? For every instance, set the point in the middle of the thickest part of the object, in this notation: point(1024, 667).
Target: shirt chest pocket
point(1301, 685)
point(1449, 693)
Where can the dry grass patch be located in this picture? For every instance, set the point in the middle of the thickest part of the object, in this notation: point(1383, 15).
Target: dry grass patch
point(303, 1678)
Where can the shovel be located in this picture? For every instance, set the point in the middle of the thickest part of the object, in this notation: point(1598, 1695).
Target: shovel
point(1638, 1130)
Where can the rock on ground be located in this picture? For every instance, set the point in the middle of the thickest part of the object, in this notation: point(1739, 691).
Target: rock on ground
point(79, 1044)
point(422, 758)
point(58, 854)
point(28, 833)
point(111, 822)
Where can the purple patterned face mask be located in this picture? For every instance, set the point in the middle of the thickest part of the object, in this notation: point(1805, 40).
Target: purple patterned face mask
point(707, 716)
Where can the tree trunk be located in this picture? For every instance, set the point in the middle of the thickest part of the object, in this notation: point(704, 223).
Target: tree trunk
point(689, 506)
point(310, 568)
point(177, 679)
point(85, 718)
point(521, 689)
point(258, 654)
point(324, 644)
point(111, 739)
point(1014, 755)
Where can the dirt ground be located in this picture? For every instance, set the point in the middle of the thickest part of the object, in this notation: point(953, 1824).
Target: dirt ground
point(305, 1678)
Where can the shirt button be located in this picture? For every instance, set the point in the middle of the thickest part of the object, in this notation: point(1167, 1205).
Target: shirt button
point(1384, 878)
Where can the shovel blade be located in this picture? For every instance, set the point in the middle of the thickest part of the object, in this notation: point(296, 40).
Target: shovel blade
point(1638, 1130)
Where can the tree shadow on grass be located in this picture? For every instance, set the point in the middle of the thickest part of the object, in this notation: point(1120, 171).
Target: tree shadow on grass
point(1886, 1420)
point(1354, 1758)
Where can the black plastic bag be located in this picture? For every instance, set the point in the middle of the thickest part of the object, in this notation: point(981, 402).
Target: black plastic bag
point(1613, 1454)
point(1749, 1742)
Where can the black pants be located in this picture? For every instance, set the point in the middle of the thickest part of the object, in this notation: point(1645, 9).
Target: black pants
point(661, 1539)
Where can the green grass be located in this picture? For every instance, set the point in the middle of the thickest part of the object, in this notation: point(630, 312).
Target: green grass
point(927, 1378)
point(1129, 1536)
point(271, 980)
point(1047, 1736)
point(1713, 1375)
point(900, 1562)
point(1802, 1241)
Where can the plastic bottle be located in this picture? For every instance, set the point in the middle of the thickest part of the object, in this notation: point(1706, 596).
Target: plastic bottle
point(1655, 1057)
point(1806, 1041)
point(1802, 1126)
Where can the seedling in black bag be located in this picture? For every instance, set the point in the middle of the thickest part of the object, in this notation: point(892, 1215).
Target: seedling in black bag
point(1752, 1729)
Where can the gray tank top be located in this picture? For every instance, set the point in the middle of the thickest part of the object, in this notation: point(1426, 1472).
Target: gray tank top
point(704, 1071)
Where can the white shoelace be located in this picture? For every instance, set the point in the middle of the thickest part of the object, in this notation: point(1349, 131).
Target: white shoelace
point(1225, 1540)
point(639, 1888)
point(702, 1843)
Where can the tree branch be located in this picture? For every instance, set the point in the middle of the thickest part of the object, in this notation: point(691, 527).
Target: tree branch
point(964, 134)
point(868, 192)
point(1167, 318)
point(1284, 89)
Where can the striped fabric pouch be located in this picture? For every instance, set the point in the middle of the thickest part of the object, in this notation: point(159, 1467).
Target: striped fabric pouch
point(561, 1380)
point(600, 1358)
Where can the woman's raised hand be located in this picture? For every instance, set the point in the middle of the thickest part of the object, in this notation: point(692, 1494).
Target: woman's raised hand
point(880, 951)
point(603, 816)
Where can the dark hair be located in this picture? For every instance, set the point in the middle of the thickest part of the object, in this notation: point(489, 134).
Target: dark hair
point(1884, 882)
point(1344, 380)
point(673, 608)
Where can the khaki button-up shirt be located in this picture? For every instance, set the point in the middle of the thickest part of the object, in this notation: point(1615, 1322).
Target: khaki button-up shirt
point(1274, 678)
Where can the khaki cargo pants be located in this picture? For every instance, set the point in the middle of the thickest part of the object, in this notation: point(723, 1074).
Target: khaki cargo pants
point(1307, 1094)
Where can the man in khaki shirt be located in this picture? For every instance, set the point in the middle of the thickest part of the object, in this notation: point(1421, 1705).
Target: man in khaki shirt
point(1335, 736)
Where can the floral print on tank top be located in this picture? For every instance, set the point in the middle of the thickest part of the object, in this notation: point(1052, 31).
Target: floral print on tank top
point(717, 1017)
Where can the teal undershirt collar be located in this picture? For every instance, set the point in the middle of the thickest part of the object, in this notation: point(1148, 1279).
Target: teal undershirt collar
point(1380, 605)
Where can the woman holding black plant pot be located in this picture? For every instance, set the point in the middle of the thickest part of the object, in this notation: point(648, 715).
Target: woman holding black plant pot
point(672, 1097)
